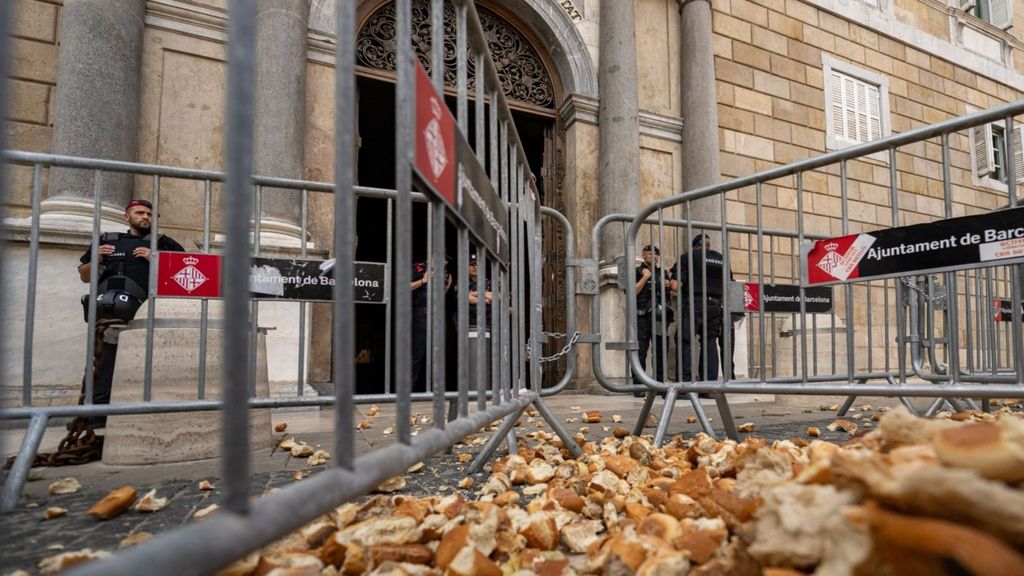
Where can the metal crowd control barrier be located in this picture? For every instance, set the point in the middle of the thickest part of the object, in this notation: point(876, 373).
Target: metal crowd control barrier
point(514, 374)
point(956, 347)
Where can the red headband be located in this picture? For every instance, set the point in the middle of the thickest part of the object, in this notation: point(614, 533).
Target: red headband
point(135, 203)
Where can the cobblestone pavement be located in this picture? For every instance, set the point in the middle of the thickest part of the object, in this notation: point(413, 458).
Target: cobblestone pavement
point(28, 537)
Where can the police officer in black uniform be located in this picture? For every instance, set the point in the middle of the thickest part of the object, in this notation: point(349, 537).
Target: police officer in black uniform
point(122, 287)
point(420, 301)
point(707, 299)
point(649, 309)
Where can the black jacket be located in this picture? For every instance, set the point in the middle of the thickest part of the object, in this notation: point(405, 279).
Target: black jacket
point(707, 264)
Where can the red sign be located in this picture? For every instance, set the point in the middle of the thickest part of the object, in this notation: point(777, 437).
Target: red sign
point(435, 139)
point(188, 275)
point(751, 297)
point(837, 258)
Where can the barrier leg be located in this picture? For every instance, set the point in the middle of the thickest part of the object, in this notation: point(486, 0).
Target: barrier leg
point(511, 443)
point(847, 404)
point(569, 441)
point(666, 415)
point(955, 404)
point(23, 462)
point(908, 405)
point(702, 417)
point(935, 406)
point(645, 412)
point(725, 413)
point(495, 440)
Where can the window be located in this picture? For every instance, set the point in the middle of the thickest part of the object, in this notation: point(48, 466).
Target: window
point(989, 154)
point(998, 13)
point(857, 107)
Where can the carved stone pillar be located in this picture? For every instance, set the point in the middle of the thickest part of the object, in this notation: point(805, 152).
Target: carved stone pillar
point(96, 111)
point(699, 108)
point(280, 128)
point(619, 113)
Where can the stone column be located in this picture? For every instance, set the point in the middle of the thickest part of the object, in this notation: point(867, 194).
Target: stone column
point(619, 113)
point(97, 104)
point(280, 129)
point(699, 108)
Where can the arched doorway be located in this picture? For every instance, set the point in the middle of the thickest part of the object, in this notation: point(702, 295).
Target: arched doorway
point(534, 93)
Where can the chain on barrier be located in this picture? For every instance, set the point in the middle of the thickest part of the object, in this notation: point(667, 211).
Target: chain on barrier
point(565, 349)
point(911, 284)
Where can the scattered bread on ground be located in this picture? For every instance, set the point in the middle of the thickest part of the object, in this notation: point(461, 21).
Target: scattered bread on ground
point(113, 503)
point(913, 495)
point(64, 486)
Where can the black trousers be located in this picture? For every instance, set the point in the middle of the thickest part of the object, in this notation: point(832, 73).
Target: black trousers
point(709, 353)
point(644, 333)
point(103, 372)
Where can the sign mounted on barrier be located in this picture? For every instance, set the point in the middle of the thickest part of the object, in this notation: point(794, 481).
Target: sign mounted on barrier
point(188, 275)
point(196, 275)
point(447, 167)
point(945, 245)
point(1004, 310)
point(786, 298)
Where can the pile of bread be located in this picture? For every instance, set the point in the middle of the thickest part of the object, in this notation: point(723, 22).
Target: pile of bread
point(915, 496)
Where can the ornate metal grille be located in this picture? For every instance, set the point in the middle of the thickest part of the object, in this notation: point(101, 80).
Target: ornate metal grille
point(522, 74)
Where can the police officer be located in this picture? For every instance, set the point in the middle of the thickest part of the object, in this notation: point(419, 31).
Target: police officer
point(420, 301)
point(123, 267)
point(649, 309)
point(706, 316)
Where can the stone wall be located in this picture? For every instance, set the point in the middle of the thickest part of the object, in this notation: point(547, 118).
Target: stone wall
point(770, 57)
point(35, 36)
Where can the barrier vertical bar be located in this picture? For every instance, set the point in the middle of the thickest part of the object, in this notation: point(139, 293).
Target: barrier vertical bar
point(1011, 167)
point(482, 327)
point(727, 343)
point(533, 273)
point(463, 327)
point(300, 377)
point(94, 273)
point(870, 327)
point(5, 19)
point(154, 233)
point(794, 276)
point(461, 68)
point(760, 280)
point(901, 328)
point(771, 317)
point(343, 331)
point(237, 205)
point(204, 307)
point(33, 273)
point(803, 274)
point(254, 305)
point(402, 272)
point(952, 282)
point(848, 287)
point(1017, 269)
point(438, 269)
point(389, 308)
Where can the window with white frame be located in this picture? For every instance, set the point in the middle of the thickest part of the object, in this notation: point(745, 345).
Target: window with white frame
point(857, 104)
point(989, 154)
point(998, 13)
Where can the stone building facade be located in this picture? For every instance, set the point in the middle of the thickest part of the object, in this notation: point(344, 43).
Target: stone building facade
point(647, 99)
